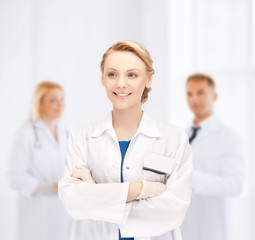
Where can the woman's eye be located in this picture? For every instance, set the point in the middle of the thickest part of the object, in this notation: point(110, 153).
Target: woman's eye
point(132, 75)
point(53, 100)
point(111, 75)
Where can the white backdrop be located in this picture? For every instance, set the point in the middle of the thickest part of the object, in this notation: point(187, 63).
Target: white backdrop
point(63, 41)
point(218, 38)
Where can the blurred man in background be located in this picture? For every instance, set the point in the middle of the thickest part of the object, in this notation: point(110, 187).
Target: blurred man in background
point(218, 165)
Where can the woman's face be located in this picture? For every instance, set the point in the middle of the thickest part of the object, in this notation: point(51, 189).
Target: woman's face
point(52, 104)
point(124, 78)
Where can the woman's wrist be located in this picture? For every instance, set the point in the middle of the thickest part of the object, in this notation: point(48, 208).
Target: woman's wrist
point(135, 189)
point(46, 189)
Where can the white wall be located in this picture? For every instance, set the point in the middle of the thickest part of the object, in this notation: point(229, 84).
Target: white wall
point(15, 90)
point(63, 41)
point(215, 37)
point(69, 40)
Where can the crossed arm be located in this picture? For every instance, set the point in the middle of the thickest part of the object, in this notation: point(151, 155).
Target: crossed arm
point(114, 202)
point(137, 190)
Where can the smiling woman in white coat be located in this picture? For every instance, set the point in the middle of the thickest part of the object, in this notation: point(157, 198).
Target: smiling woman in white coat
point(36, 164)
point(127, 176)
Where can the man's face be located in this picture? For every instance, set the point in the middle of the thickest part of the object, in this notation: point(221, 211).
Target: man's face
point(200, 97)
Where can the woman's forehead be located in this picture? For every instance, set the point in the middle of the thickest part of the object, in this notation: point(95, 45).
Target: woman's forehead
point(123, 60)
point(54, 91)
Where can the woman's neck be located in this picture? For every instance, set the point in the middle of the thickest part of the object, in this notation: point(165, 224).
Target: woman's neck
point(51, 125)
point(126, 122)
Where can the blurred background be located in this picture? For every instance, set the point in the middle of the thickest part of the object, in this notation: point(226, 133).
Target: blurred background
point(63, 41)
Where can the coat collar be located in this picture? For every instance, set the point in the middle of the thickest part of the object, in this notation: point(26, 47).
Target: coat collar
point(147, 127)
point(39, 124)
point(60, 131)
point(211, 123)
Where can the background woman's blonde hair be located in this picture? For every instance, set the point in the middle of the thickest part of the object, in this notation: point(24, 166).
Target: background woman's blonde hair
point(40, 91)
point(137, 49)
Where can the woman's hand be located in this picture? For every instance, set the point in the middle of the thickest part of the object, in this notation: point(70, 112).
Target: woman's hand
point(151, 189)
point(55, 188)
point(135, 189)
point(82, 174)
point(144, 189)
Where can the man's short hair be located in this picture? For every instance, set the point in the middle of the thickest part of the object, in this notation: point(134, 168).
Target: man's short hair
point(201, 76)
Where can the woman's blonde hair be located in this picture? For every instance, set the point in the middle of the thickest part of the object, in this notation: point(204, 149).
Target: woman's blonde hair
point(40, 91)
point(137, 49)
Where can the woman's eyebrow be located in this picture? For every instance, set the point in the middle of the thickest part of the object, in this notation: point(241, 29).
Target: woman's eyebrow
point(111, 69)
point(129, 70)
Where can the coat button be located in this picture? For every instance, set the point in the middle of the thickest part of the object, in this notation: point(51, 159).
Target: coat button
point(127, 167)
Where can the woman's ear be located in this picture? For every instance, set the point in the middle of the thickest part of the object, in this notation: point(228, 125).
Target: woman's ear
point(215, 96)
point(102, 80)
point(149, 82)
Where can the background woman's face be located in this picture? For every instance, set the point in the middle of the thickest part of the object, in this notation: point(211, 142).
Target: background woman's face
point(124, 78)
point(52, 104)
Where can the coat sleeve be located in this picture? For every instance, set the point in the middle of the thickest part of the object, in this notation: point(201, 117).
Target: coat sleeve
point(230, 178)
point(158, 215)
point(102, 202)
point(18, 175)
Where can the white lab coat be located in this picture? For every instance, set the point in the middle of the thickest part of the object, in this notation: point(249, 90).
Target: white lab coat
point(101, 209)
point(218, 174)
point(42, 216)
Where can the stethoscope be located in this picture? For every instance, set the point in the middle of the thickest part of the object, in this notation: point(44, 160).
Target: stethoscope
point(37, 143)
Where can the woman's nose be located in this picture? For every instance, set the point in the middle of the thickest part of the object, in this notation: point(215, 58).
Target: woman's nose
point(60, 103)
point(121, 82)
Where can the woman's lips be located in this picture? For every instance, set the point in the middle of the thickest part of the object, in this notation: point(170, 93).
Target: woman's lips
point(122, 95)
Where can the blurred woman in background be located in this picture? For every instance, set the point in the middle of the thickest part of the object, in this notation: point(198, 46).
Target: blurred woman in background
point(36, 164)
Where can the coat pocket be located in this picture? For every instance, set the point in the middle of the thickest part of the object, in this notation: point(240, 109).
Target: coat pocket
point(157, 167)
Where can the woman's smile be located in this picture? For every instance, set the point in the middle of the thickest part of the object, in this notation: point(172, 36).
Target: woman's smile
point(125, 78)
point(122, 95)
